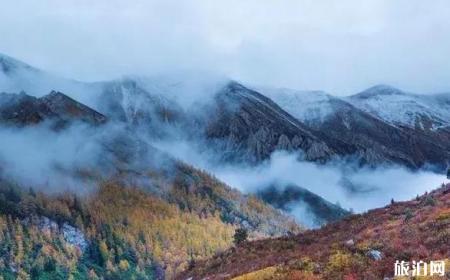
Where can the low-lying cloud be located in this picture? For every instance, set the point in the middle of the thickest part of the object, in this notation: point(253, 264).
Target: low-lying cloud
point(39, 157)
point(352, 187)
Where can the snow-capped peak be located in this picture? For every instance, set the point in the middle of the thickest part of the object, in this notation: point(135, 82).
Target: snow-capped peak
point(397, 107)
point(307, 106)
point(378, 90)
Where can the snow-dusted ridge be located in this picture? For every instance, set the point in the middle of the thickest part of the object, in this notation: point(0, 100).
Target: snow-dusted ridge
point(427, 112)
point(381, 124)
point(387, 103)
point(307, 106)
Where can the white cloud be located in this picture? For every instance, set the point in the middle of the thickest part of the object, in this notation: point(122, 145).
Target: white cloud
point(338, 46)
point(371, 187)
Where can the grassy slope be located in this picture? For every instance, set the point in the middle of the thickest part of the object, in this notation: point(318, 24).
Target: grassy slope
point(412, 230)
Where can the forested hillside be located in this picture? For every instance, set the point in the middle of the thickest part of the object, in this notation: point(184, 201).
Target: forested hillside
point(119, 231)
point(363, 246)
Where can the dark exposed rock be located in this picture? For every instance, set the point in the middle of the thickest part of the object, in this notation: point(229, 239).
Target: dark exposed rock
point(254, 126)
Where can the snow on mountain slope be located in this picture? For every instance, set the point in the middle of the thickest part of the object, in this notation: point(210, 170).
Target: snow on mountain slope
point(351, 126)
point(396, 107)
point(307, 106)
point(425, 112)
point(165, 105)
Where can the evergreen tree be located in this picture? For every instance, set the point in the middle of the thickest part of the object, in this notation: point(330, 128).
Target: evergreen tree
point(240, 235)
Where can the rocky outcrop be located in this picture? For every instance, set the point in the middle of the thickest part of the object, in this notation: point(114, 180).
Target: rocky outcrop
point(72, 235)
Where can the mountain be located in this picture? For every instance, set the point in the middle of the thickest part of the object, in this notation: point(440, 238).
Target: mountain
point(123, 231)
point(128, 102)
point(145, 216)
point(56, 107)
point(362, 246)
point(132, 157)
point(399, 108)
point(17, 76)
point(108, 204)
point(132, 205)
point(236, 123)
point(245, 123)
point(346, 127)
point(143, 107)
point(290, 198)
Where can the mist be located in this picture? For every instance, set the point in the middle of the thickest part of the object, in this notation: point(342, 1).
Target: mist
point(341, 182)
point(341, 48)
point(74, 159)
point(371, 187)
point(41, 158)
point(52, 161)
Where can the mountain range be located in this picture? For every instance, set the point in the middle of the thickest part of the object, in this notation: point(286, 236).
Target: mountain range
point(379, 125)
point(234, 124)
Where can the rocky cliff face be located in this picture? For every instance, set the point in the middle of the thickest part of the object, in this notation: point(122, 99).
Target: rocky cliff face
point(248, 125)
point(238, 124)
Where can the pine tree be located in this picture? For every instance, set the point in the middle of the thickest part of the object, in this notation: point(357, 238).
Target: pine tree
point(240, 235)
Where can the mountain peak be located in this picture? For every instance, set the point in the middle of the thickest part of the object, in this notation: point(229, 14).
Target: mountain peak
point(67, 107)
point(378, 90)
point(56, 94)
point(9, 64)
point(22, 109)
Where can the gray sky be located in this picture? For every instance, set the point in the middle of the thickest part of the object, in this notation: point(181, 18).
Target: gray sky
point(338, 46)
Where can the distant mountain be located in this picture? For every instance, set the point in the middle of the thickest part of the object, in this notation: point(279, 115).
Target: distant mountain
point(130, 101)
point(55, 107)
point(237, 123)
point(399, 108)
point(346, 127)
point(292, 198)
point(234, 122)
point(244, 123)
point(17, 76)
point(358, 247)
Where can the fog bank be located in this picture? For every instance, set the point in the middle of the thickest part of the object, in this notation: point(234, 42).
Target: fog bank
point(352, 187)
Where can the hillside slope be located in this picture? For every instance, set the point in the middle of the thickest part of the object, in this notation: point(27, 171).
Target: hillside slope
point(119, 230)
point(362, 246)
point(130, 210)
point(317, 210)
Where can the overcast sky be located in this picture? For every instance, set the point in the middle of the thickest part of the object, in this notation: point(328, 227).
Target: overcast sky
point(338, 46)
